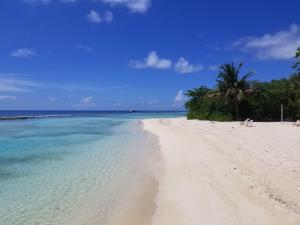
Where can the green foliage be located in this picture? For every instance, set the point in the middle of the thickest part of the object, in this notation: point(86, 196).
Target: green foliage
point(265, 105)
point(235, 97)
point(297, 57)
point(207, 106)
point(232, 86)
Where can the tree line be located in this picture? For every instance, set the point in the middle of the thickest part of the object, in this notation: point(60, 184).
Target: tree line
point(235, 97)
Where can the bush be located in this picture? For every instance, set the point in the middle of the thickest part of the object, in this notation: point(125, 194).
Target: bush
point(263, 103)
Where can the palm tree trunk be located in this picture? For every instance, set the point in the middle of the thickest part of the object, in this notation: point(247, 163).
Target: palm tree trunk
point(237, 110)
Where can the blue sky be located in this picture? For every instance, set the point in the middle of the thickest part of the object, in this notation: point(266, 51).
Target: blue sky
point(135, 54)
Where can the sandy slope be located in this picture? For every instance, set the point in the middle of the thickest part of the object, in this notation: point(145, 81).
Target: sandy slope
point(225, 173)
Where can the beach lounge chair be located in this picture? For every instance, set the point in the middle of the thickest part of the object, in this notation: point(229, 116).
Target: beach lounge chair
point(297, 123)
point(245, 122)
point(250, 123)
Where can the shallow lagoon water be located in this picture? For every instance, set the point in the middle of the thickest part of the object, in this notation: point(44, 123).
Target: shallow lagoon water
point(71, 170)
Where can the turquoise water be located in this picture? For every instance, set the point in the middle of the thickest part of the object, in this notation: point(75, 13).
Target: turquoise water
point(70, 170)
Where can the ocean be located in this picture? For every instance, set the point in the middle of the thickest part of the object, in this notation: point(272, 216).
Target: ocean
point(76, 168)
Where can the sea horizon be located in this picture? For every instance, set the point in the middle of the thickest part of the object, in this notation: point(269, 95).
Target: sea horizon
point(28, 112)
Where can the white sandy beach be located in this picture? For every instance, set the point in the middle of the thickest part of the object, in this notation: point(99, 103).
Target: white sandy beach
point(225, 173)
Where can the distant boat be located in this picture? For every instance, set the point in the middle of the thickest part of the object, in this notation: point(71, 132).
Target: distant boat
point(132, 111)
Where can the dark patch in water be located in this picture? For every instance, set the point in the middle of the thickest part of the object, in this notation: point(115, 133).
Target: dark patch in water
point(6, 175)
point(31, 117)
point(99, 128)
point(34, 158)
point(56, 133)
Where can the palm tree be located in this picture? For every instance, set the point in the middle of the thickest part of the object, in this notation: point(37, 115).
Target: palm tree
point(195, 94)
point(298, 52)
point(232, 86)
point(297, 57)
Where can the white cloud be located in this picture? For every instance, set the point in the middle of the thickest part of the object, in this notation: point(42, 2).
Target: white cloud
point(118, 104)
point(11, 88)
point(69, 1)
point(141, 99)
point(108, 16)
point(280, 45)
point(13, 82)
point(152, 61)
point(94, 17)
point(140, 6)
point(183, 66)
point(51, 99)
point(9, 84)
point(7, 97)
point(47, 1)
point(180, 97)
point(152, 102)
point(213, 67)
point(88, 101)
point(85, 48)
point(148, 102)
point(23, 53)
point(37, 1)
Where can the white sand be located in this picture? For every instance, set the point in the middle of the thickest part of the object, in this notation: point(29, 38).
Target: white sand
point(225, 173)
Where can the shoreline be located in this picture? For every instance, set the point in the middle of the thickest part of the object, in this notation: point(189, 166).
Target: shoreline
point(225, 173)
point(134, 196)
point(138, 205)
